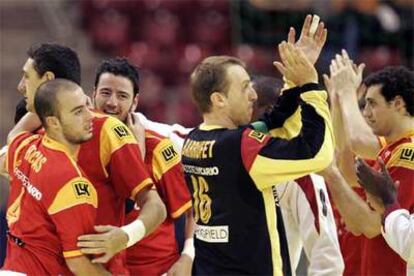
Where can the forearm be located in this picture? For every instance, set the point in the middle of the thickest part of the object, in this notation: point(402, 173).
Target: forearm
point(356, 213)
point(83, 266)
point(152, 212)
point(362, 140)
point(30, 122)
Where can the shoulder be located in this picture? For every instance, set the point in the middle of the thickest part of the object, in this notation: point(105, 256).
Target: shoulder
point(78, 190)
point(402, 155)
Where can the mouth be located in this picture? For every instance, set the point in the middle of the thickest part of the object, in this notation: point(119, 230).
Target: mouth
point(109, 112)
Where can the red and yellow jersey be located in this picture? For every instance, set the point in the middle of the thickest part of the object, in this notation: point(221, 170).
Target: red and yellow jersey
point(113, 163)
point(156, 253)
point(378, 257)
point(51, 203)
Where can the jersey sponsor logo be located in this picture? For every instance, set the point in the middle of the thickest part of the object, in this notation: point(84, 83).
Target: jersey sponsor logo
point(81, 189)
point(212, 234)
point(30, 188)
point(407, 154)
point(206, 171)
point(121, 131)
point(169, 153)
point(260, 137)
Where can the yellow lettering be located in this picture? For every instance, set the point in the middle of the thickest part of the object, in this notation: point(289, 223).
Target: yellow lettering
point(35, 158)
point(198, 149)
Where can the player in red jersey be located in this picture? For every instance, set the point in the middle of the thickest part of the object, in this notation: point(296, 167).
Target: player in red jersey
point(116, 94)
point(112, 162)
point(51, 202)
point(389, 113)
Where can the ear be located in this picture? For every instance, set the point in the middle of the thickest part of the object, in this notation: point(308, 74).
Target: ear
point(218, 99)
point(399, 103)
point(52, 122)
point(49, 75)
point(135, 103)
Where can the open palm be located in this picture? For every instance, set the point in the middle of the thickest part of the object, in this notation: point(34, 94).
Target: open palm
point(311, 44)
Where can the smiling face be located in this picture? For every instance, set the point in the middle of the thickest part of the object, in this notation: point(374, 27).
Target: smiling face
point(240, 96)
point(114, 95)
point(29, 83)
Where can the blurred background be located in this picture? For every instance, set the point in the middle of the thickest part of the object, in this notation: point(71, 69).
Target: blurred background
point(167, 38)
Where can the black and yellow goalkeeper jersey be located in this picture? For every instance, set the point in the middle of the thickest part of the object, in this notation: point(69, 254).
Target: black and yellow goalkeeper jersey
point(230, 174)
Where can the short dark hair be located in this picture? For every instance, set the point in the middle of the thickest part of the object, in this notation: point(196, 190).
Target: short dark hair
point(267, 89)
point(62, 61)
point(45, 101)
point(211, 76)
point(119, 67)
point(395, 81)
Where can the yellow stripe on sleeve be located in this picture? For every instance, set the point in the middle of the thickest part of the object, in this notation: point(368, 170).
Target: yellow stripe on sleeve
point(72, 253)
point(114, 135)
point(77, 191)
point(291, 127)
point(164, 157)
point(402, 156)
point(271, 219)
point(181, 210)
point(141, 186)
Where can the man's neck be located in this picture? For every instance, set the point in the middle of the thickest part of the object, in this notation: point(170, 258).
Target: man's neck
point(402, 128)
point(71, 148)
point(218, 119)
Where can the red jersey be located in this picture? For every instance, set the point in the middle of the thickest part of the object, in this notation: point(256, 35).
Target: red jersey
point(113, 163)
point(378, 258)
point(156, 253)
point(349, 243)
point(50, 204)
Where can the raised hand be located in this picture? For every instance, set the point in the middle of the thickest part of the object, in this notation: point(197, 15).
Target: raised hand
point(345, 75)
point(295, 66)
point(378, 184)
point(310, 41)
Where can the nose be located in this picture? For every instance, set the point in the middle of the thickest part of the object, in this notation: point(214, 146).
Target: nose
point(112, 101)
point(88, 115)
point(21, 86)
point(253, 95)
point(366, 112)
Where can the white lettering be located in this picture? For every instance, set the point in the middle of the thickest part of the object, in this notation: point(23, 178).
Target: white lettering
point(212, 234)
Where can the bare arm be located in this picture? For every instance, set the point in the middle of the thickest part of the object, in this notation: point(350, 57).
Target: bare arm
point(345, 80)
point(82, 266)
point(30, 122)
point(358, 216)
point(112, 239)
point(152, 212)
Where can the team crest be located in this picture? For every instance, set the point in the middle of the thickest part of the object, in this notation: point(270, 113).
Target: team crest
point(407, 154)
point(260, 137)
point(81, 189)
point(169, 153)
point(121, 131)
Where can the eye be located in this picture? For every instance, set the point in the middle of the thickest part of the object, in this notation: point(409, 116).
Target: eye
point(79, 111)
point(105, 93)
point(123, 97)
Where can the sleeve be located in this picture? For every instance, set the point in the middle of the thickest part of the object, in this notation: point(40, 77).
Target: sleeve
point(317, 228)
point(14, 148)
point(73, 211)
point(177, 133)
point(401, 168)
point(169, 177)
point(272, 160)
point(398, 231)
point(121, 158)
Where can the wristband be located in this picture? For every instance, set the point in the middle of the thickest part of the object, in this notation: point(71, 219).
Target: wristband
point(188, 248)
point(135, 231)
